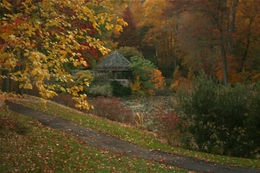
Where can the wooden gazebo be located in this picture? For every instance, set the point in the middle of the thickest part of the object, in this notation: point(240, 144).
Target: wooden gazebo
point(116, 67)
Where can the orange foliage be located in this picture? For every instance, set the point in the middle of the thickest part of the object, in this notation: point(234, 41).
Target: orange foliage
point(157, 79)
point(233, 66)
point(179, 81)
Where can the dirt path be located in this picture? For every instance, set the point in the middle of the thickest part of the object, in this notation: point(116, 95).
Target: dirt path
point(110, 143)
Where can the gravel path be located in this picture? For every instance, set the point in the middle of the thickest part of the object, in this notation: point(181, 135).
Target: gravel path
point(110, 143)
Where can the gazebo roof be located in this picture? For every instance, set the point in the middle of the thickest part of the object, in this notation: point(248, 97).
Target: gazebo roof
point(114, 62)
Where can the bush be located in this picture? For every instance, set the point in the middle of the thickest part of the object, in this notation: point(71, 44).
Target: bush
point(147, 77)
point(119, 90)
point(166, 122)
point(100, 86)
point(128, 52)
point(219, 119)
point(100, 90)
point(111, 108)
point(64, 99)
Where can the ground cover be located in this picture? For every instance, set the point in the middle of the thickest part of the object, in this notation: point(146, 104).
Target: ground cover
point(128, 133)
point(28, 146)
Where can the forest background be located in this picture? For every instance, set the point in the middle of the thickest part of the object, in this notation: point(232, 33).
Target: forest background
point(220, 38)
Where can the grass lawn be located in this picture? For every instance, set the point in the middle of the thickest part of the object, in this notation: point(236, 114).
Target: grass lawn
point(27, 146)
point(127, 133)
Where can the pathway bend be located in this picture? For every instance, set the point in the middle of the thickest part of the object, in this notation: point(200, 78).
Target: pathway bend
point(113, 144)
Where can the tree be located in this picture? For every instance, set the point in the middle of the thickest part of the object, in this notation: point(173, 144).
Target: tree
point(220, 19)
point(247, 39)
point(129, 37)
point(147, 77)
point(128, 52)
point(218, 37)
point(161, 33)
point(37, 37)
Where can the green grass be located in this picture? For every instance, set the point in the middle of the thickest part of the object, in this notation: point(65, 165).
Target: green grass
point(130, 134)
point(28, 146)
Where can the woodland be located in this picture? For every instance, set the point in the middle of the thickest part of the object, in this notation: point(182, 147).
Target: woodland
point(220, 38)
point(204, 53)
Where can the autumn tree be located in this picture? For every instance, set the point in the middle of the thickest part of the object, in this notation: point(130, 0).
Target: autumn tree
point(160, 34)
point(213, 32)
point(147, 78)
point(37, 37)
point(247, 39)
point(222, 38)
point(128, 52)
point(129, 37)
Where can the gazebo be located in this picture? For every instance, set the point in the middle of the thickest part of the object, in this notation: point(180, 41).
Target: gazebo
point(115, 67)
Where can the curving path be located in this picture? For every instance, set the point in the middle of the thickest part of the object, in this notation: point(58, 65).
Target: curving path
point(113, 144)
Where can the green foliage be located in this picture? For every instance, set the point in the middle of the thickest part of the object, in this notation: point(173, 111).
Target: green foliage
point(119, 90)
point(100, 86)
point(100, 90)
point(219, 119)
point(128, 52)
point(142, 70)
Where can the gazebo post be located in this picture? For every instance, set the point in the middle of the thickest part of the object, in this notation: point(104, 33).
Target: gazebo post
point(114, 75)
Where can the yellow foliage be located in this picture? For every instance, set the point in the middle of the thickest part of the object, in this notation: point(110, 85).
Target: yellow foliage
point(157, 79)
point(82, 103)
point(140, 120)
point(136, 86)
point(39, 45)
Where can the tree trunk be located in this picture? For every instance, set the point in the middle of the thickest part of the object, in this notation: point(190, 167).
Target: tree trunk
point(232, 26)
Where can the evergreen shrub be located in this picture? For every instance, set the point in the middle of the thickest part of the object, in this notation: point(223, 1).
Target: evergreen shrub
point(220, 119)
point(119, 90)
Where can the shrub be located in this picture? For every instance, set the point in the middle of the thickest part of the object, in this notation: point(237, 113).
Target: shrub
point(128, 52)
point(100, 90)
point(111, 108)
point(100, 86)
point(220, 119)
point(166, 122)
point(147, 77)
point(64, 99)
point(119, 90)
